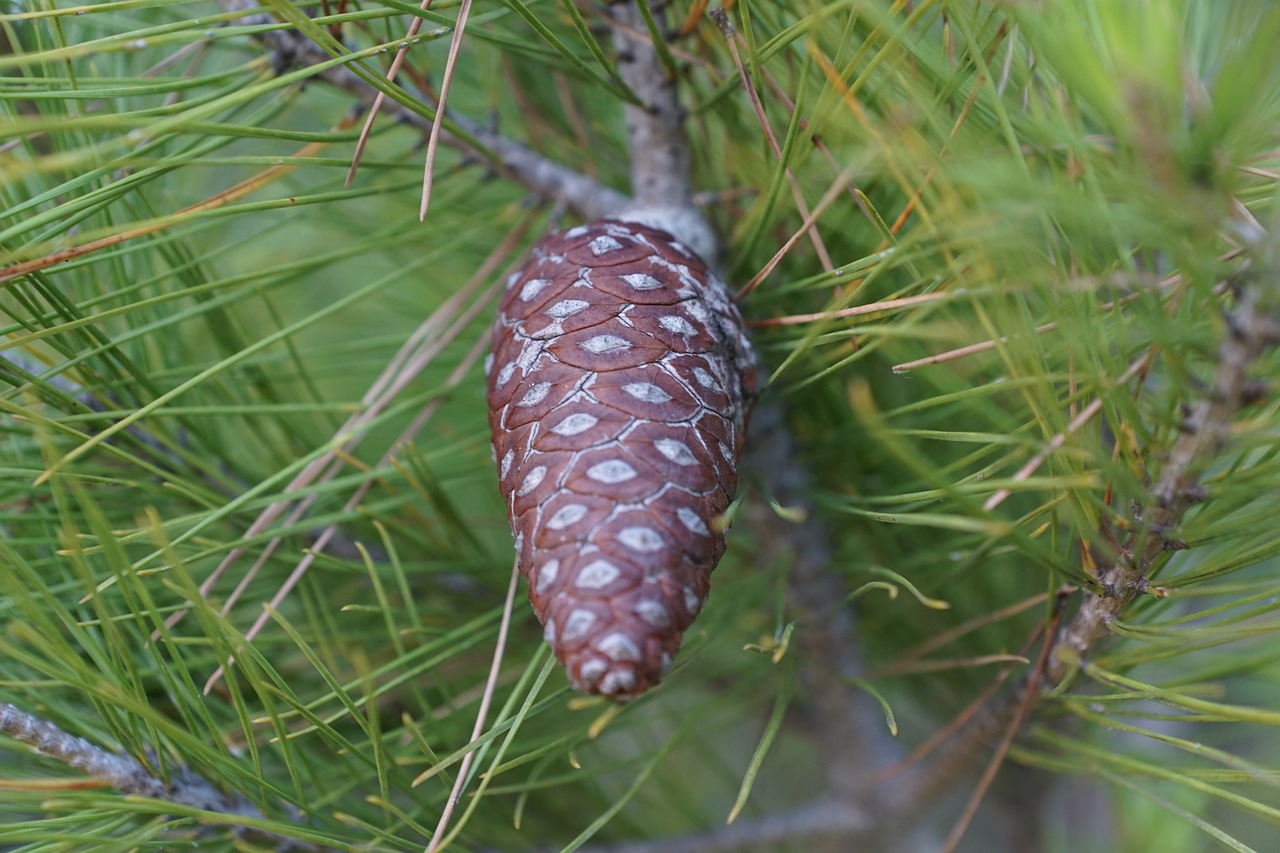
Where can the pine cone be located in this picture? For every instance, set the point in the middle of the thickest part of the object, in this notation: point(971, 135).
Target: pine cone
point(618, 387)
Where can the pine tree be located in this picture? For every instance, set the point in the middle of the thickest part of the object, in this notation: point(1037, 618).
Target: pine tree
point(1001, 573)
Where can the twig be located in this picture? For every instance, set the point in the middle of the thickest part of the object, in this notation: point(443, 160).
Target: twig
point(656, 144)
point(1206, 431)
point(122, 772)
point(1123, 574)
point(154, 452)
point(289, 48)
point(1011, 729)
point(129, 776)
point(536, 173)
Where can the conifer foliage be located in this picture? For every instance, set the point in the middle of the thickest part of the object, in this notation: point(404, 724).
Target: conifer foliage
point(995, 565)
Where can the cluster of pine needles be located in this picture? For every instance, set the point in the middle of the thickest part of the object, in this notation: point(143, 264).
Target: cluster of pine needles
point(1013, 270)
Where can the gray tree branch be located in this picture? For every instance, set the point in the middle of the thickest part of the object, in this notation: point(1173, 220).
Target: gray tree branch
point(1251, 330)
point(655, 128)
point(513, 160)
point(129, 776)
point(1125, 573)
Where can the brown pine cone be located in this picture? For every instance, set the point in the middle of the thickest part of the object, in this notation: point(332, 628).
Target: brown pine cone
point(618, 387)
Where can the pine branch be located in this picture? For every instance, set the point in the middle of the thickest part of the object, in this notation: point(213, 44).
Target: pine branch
point(659, 156)
point(1206, 431)
point(538, 174)
point(656, 143)
point(24, 370)
point(1093, 141)
point(847, 728)
point(289, 48)
point(129, 776)
point(657, 147)
point(1125, 574)
point(841, 713)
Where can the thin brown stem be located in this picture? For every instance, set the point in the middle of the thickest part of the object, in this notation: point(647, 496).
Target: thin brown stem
point(482, 715)
point(398, 61)
point(433, 138)
point(1011, 729)
point(732, 37)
